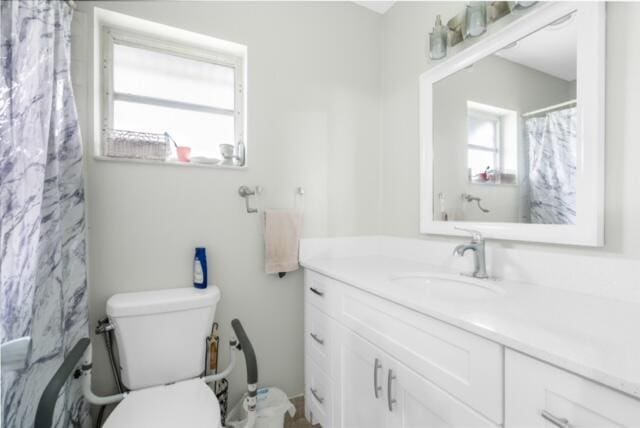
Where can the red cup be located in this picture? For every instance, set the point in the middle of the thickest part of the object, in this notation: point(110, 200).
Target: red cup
point(184, 153)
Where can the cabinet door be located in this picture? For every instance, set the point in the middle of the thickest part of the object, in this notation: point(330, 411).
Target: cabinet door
point(414, 402)
point(540, 395)
point(360, 408)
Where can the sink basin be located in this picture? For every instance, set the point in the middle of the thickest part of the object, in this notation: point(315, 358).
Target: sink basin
point(448, 285)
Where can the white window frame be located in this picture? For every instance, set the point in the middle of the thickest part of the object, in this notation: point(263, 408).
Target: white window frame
point(497, 143)
point(113, 35)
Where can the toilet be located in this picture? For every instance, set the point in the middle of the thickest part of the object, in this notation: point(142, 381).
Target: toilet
point(161, 338)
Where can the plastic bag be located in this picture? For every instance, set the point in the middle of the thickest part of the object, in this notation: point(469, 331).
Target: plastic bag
point(271, 406)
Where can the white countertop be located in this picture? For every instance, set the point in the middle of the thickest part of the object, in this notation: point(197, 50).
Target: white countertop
point(595, 337)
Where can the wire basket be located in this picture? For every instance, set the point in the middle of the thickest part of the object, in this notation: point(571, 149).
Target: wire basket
point(136, 145)
point(221, 390)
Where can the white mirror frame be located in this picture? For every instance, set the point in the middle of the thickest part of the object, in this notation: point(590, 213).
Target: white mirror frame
point(589, 229)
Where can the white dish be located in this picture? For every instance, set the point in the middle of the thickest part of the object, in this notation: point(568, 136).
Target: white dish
point(205, 160)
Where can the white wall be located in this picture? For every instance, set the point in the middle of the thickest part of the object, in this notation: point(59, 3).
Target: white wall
point(404, 31)
point(313, 106)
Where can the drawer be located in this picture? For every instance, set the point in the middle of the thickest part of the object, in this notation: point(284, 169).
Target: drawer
point(320, 338)
point(321, 292)
point(318, 393)
point(466, 366)
point(534, 387)
point(315, 414)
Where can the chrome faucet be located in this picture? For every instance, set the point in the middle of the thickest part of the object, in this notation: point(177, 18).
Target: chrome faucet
point(477, 246)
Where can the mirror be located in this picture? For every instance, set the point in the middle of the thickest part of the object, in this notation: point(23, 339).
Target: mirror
point(515, 160)
point(503, 146)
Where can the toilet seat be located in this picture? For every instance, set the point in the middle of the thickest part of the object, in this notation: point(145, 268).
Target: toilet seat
point(189, 403)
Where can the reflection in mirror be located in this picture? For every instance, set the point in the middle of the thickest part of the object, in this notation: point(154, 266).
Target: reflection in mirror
point(504, 133)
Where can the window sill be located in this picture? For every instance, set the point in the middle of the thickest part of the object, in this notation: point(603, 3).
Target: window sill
point(506, 179)
point(168, 163)
point(493, 184)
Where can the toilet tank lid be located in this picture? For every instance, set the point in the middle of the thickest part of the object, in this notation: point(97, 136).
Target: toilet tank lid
point(159, 301)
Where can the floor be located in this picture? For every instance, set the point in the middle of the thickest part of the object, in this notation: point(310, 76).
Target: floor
point(298, 421)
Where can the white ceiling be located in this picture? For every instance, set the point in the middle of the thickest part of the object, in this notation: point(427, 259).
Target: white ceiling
point(380, 6)
point(551, 50)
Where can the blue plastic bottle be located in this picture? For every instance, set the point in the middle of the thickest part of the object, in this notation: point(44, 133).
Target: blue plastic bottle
point(200, 268)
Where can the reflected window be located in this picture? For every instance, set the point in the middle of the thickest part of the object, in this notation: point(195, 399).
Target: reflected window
point(491, 144)
point(484, 145)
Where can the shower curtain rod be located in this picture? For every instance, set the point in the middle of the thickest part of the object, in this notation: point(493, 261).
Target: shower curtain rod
point(550, 108)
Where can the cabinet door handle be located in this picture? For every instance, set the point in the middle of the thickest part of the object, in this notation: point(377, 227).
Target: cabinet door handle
point(376, 389)
point(316, 338)
point(391, 401)
point(316, 291)
point(559, 422)
point(316, 396)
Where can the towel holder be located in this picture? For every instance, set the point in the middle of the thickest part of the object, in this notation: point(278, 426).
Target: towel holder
point(245, 192)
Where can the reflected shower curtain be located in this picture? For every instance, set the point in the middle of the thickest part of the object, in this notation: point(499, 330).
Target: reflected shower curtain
point(552, 167)
point(42, 227)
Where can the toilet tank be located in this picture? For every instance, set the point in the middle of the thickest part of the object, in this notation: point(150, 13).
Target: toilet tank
point(161, 335)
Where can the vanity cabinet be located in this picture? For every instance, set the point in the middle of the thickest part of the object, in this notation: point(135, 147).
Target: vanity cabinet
point(372, 363)
point(540, 395)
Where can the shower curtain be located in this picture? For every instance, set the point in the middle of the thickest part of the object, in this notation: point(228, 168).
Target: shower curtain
point(551, 177)
point(42, 226)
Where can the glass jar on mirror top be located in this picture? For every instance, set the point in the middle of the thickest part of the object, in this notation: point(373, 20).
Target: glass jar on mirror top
point(476, 18)
point(523, 4)
point(438, 40)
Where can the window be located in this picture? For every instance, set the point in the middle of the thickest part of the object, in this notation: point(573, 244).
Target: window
point(484, 143)
point(492, 154)
point(181, 95)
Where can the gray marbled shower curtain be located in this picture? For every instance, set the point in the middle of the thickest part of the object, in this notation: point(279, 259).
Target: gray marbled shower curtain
point(42, 226)
point(551, 177)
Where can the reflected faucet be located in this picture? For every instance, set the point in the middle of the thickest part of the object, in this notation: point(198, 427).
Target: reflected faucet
point(470, 198)
point(477, 246)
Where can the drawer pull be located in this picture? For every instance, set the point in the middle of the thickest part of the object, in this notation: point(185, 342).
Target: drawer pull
point(559, 422)
point(316, 338)
point(316, 291)
point(376, 389)
point(316, 396)
point(391, 401)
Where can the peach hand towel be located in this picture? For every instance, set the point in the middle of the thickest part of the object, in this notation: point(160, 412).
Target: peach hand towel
point(281, 240)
